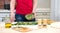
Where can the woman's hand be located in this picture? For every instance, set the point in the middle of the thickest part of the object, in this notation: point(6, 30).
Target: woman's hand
point(12, 17)
point(34, 12)
point(12, 7)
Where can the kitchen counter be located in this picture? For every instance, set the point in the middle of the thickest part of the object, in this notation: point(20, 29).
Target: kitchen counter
point(49, 29)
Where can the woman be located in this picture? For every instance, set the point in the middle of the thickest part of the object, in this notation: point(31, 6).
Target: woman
point(23, 7)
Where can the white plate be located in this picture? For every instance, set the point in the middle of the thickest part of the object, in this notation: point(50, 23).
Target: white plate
point(28, 26)
point(14, 22)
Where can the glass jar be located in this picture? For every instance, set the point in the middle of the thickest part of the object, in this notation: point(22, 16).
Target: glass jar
point(8, 24)
point(39, 23)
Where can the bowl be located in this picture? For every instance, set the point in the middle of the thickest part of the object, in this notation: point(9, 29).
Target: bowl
point(30, 16)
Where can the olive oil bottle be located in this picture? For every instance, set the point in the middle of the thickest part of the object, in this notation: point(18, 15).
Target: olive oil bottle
point(7, 22)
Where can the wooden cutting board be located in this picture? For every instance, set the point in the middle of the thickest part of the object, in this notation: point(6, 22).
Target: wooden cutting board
point(22, 29)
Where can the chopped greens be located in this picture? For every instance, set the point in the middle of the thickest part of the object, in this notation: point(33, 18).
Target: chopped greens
point(25, 23)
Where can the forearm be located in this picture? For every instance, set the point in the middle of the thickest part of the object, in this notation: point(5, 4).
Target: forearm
point(34, 5)
point(12, 6)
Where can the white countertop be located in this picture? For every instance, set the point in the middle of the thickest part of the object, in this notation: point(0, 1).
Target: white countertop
point(37, 10)
point(1, 10)
point(43, 30)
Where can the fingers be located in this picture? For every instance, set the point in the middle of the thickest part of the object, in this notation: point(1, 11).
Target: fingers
point(12, 18)
point(35, 15)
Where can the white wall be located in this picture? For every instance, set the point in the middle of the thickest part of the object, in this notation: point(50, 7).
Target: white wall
point(55, 10)
point(44, 3)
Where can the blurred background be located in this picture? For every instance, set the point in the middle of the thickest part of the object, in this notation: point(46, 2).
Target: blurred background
point(45, 10)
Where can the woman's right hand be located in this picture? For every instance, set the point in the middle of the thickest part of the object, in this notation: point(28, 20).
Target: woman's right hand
point(12, 17)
